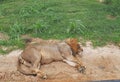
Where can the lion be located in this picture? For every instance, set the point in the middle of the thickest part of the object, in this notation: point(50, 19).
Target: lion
point(38, 52)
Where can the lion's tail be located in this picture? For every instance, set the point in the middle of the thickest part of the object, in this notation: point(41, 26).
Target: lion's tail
point(23, 68)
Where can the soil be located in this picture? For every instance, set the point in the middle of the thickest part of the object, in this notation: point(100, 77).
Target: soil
point(3, 36)
point(102, 63)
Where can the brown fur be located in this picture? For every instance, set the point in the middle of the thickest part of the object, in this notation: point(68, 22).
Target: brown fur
point(73, 43)
point(39, 51)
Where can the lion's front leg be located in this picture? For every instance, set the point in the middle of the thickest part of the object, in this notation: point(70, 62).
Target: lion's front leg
point(75, 61)
point(80, 67)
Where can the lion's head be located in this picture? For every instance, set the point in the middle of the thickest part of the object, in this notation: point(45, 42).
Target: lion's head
point(75, 46)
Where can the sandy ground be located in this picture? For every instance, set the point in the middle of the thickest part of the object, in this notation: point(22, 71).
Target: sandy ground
point(102, 63)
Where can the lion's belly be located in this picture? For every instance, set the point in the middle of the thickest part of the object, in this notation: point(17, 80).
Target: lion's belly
point(50, 54)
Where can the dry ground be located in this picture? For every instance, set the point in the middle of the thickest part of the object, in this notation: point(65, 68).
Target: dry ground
point(102, 63)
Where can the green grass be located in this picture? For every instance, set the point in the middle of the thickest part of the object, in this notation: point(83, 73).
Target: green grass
point(59, 19)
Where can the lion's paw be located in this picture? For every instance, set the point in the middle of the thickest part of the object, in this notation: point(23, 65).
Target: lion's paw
point(82, 69)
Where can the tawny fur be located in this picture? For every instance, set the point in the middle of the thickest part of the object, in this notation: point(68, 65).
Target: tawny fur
point(39, 51)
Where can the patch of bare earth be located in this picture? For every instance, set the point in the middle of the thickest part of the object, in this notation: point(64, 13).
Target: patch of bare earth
point(102, 63)
point(3, 36)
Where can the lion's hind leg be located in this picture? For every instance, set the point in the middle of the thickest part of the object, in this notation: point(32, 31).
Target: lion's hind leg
point(32, 66)
point(36, 66)
point(23, 68)
point(40, 73)
point(27, 69)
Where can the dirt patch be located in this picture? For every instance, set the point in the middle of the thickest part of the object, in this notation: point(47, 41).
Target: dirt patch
point(110, 17)
point(3, 36)
point(102, 63)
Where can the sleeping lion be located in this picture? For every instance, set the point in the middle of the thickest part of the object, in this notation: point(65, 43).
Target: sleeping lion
point(38, 52)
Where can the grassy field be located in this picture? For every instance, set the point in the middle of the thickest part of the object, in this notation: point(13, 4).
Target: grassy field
point(59, 19)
